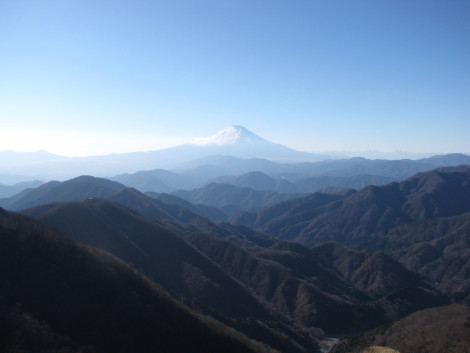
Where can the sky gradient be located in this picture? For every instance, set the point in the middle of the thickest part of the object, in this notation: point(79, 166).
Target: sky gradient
point(82, 77)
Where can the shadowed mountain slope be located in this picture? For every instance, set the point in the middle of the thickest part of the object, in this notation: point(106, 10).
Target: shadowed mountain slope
point(273, 273)
point(340, 182)
point(78, 299)
point(151, 207)
point(300, 283)
point(271, 220)
point(388, 284)
point(422, 222)
point(258, 181)
point(261, 181)
point(438, 249)
point(376, 274)
point(209, 212)
point(158, 251)
point(232, 199)
point(164, 256)
point(310, 303)
point(156, 180)
point(352, 219)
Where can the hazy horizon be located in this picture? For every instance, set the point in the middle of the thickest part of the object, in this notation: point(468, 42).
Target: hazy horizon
point(83, 78)
point(371, 154)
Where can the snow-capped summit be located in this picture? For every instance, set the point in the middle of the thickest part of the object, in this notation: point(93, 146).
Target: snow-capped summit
point(238, 141)
point(235, 134)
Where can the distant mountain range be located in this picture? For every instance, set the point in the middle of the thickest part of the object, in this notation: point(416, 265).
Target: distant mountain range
point(10, 190)
point(222, 158)
point(261, 174)
point(12, 158)
point(235, 141)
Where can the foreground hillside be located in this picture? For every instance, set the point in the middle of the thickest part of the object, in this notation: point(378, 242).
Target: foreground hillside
point(163, 255)
point(60, 296)
point(437, 330)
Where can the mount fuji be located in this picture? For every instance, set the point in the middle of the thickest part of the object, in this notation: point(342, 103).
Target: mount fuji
point(233, 135)
point(234, 141)
point(238, 141)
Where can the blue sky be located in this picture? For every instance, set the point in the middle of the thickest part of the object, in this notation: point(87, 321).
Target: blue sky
point(81, 77)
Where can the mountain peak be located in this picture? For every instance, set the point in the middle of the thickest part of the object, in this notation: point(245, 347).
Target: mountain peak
point(234, 134)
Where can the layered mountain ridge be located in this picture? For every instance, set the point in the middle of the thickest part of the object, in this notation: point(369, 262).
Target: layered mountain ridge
point(292, 268)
